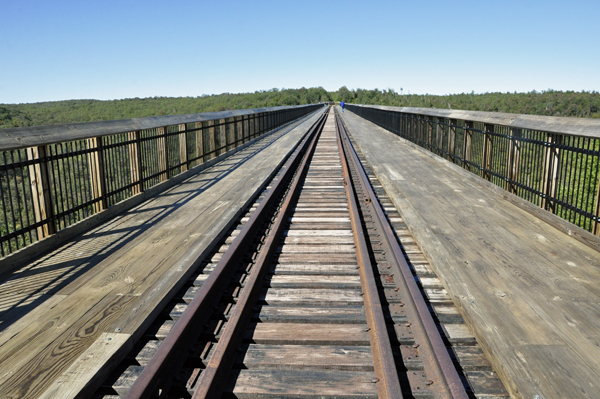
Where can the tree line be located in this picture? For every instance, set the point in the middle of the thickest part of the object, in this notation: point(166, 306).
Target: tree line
point(550, 102)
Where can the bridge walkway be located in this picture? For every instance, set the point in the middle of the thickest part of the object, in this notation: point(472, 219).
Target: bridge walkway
point(64, 315)
point(529, 290)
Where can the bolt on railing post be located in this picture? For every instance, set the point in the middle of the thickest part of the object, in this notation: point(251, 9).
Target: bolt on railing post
point(550, 172)
point(97, 175)
point(452, 140)
point(514, 152)
point(486, 156)
point(43, 206)
point(467, 144)
point(135, 162)
point(183, 158)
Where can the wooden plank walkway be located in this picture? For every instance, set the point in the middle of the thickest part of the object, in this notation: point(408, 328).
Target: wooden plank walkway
point(66, 314)
point(529, 291)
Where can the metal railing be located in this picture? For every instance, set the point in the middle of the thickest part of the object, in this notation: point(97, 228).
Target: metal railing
point(54, 176)
point(553, 162)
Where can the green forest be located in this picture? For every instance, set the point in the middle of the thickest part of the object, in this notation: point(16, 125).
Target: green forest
point(554, 103)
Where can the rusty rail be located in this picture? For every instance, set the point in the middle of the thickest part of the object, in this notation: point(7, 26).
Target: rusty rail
point(446, 382)
point(388, 386)
point(188, 327)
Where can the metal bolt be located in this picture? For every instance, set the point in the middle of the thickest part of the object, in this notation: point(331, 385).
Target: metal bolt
point(415, 345)
point(374, 380)
point(407, 324)
point(117, 330)
point(396, 289)
point(367, 329)
point(429, 382)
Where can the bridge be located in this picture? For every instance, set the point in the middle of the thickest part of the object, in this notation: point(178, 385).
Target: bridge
point(302, 252)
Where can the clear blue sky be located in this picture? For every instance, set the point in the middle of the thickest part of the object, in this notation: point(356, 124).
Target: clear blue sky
point(58, 50)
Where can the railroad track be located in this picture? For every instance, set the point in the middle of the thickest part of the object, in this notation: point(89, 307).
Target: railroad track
point(310, 295)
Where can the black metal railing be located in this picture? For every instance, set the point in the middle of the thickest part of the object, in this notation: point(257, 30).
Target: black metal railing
point(550, 161)
point(54, 176)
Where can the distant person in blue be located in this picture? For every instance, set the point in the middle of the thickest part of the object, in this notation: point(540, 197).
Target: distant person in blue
point(342, 105)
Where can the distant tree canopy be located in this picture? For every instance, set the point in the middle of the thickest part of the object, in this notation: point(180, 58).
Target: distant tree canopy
point(556, 103)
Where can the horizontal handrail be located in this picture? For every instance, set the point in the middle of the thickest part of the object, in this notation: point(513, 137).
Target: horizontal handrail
point(552, 162)
point(584, 127)
point(52, 177)
point(22, 137)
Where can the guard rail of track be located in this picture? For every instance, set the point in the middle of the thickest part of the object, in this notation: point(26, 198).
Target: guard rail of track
point(52, 177)
point(552, 162)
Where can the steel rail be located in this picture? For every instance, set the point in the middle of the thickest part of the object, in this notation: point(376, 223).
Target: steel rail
point(199, 310)
point(388, 383)
point(212, 380)
point(436, 359)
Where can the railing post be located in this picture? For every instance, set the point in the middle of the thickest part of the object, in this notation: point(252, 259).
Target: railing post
point(486, 156)
point(43, 206)
point(514, 152)
point(239, 131)
point(97, 177)
point(135, 162)
point(183, 158)
point(199, 155)
point(452, 140)
point(439, 135)
point(430, 131)
point(211, 140)
point(467, 144)
point(231, 133)
point(550, 171)
point(222, 136)
point(161, 143)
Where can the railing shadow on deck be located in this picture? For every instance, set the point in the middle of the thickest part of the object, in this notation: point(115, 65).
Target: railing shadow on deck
point(19, 297)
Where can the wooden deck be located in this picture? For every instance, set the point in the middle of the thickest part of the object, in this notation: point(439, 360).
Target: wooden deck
point(70, 312)
point(529, 291)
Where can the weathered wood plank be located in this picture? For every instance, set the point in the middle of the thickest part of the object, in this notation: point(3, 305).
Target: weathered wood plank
point(295, 357)
point(308, 384)
point(308, 334)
